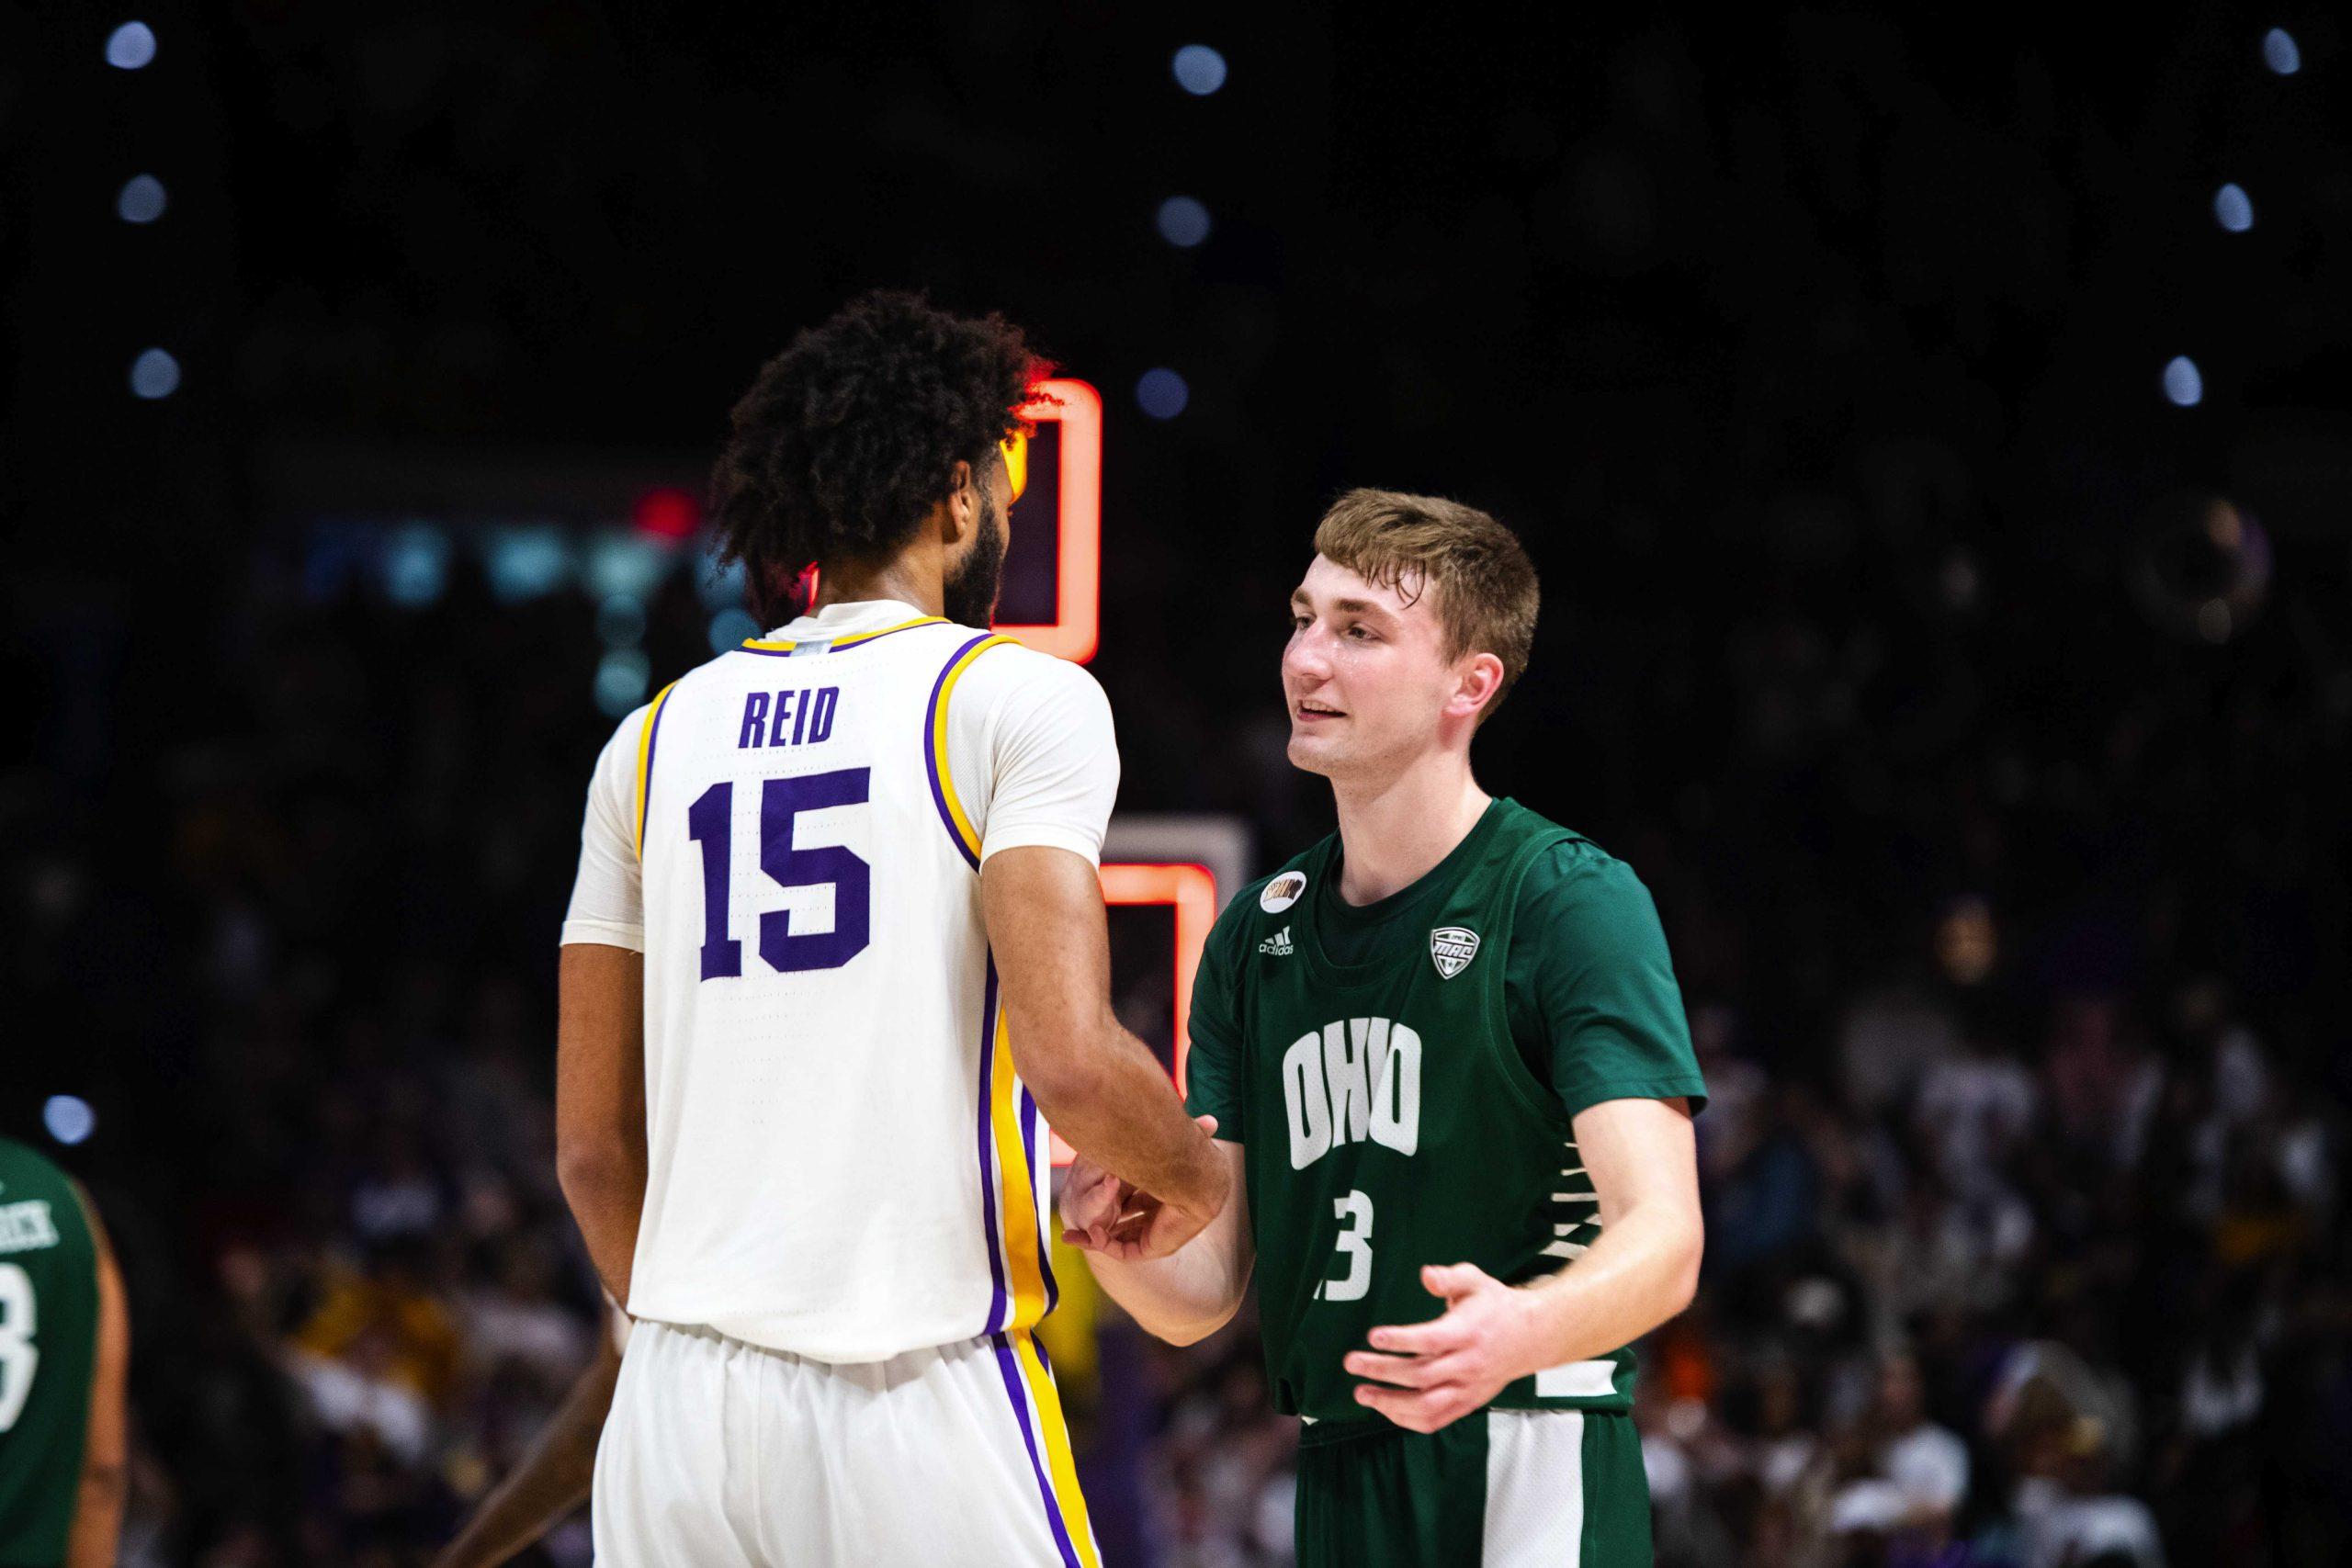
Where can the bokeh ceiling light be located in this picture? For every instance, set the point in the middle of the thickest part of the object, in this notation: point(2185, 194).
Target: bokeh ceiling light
point(1199, 69)
point(68, 1118)
point(2183, 385)
point(1161, 393)
point(154, 374)
point(1184, 221)
point(130, 46)
point(141, 201)
point(2232, 209)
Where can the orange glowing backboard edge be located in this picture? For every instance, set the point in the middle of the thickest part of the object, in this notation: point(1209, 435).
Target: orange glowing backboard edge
point(1078, 552)
point(1193, 890)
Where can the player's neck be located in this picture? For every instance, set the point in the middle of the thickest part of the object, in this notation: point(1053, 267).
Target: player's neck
point(1393, 831)
point(914, 576)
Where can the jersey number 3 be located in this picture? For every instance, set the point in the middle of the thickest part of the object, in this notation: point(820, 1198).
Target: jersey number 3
point(1354, 1244)
point(18, 1358)
point(710, 822)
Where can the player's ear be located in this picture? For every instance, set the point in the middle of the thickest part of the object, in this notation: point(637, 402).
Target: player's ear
point(1479, 677)
point(963, 504)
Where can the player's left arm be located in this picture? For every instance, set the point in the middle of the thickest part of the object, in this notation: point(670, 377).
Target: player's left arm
point(1640, 1271)
point(1621, 1063)
point(105, 1443)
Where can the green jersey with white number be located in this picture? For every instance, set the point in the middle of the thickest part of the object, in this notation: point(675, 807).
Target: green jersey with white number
point(49, 1331)
point(1404, 1077)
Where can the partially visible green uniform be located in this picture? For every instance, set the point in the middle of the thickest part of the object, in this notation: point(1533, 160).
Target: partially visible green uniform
point(1404, 1076)
point(49, 1332)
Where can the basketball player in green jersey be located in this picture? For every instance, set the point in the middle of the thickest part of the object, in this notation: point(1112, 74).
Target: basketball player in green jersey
point(64, 1356)
point(1445, 1054)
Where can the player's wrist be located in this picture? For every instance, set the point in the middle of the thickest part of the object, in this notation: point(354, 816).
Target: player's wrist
point(1214, 1188)
point(1530, 1331)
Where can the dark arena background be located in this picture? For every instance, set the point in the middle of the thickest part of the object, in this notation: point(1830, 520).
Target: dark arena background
point(1933, 435)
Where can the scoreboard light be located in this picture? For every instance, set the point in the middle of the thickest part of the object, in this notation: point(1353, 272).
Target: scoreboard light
point(666, 513)
point(1077, 408)
point(1192, 892)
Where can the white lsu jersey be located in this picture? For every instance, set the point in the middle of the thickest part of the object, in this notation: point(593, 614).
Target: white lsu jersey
point(842, 1162)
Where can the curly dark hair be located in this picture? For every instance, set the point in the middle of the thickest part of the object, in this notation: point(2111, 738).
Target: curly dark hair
point(852, 434)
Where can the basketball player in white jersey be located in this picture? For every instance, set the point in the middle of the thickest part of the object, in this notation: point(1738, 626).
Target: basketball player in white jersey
point(836, 952)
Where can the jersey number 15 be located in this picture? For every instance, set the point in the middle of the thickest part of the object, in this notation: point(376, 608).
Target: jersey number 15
point(710, 822)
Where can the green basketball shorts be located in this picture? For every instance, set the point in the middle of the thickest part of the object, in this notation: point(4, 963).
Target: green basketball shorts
point(1501, 1488)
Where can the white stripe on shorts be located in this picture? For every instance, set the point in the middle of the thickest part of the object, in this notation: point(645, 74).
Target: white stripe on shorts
point(1534, 1489)
point(1577, 1380)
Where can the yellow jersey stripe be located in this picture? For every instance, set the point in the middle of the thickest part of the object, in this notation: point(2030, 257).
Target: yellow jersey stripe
point(1017, 1209)
point(964, 832)
point(1060, 1463)
point(645, 758)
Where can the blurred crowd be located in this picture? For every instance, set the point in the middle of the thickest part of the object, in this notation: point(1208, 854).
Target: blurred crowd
point(2019, 1017)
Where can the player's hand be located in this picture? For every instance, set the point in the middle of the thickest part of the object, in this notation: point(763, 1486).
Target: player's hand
point(1104, 1214)
point(1436, 1372)
point(1093, 1201)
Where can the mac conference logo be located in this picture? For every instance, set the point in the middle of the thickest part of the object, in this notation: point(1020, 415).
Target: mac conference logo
point(1283, 892)
point(1451, 948)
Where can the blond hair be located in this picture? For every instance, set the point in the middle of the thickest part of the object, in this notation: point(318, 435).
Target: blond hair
point(1486, 588)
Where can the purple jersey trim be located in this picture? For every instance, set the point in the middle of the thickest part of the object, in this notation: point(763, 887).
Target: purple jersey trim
point(930, 750)
point(1007, 1365)
point(1040, 1192)
point(997, 1300)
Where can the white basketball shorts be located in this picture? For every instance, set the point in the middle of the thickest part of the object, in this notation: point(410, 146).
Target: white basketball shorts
point(720, 1454)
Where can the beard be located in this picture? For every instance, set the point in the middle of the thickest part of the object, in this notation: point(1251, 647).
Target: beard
point(969, 594)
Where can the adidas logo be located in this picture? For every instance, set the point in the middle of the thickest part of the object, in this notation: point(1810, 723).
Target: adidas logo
point(1278, 944)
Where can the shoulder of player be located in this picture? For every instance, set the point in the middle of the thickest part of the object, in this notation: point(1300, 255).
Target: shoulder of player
point(628, 732)
point(1005, 671)
point(1573, 874)
point(711, 672)
point(35, 1175)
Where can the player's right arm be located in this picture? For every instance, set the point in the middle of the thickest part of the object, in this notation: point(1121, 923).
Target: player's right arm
point(553, 1478)
point(1192, 1293)
point(600, 1022)
point(1098, 1085)
point(1037, 733)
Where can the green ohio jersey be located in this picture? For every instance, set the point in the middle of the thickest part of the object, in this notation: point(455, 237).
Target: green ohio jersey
point(49, 1332)
point(1404, 1077)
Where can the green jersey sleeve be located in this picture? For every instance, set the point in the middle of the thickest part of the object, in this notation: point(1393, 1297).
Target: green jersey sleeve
point(1596, 992)
point(1214, 1075)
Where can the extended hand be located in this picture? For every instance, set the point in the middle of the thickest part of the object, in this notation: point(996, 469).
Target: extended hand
point(1103, 1214)
point(1441, 1370)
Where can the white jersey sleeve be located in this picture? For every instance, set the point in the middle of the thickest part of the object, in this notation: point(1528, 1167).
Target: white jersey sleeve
point(1034, 733)
point(607, 898)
